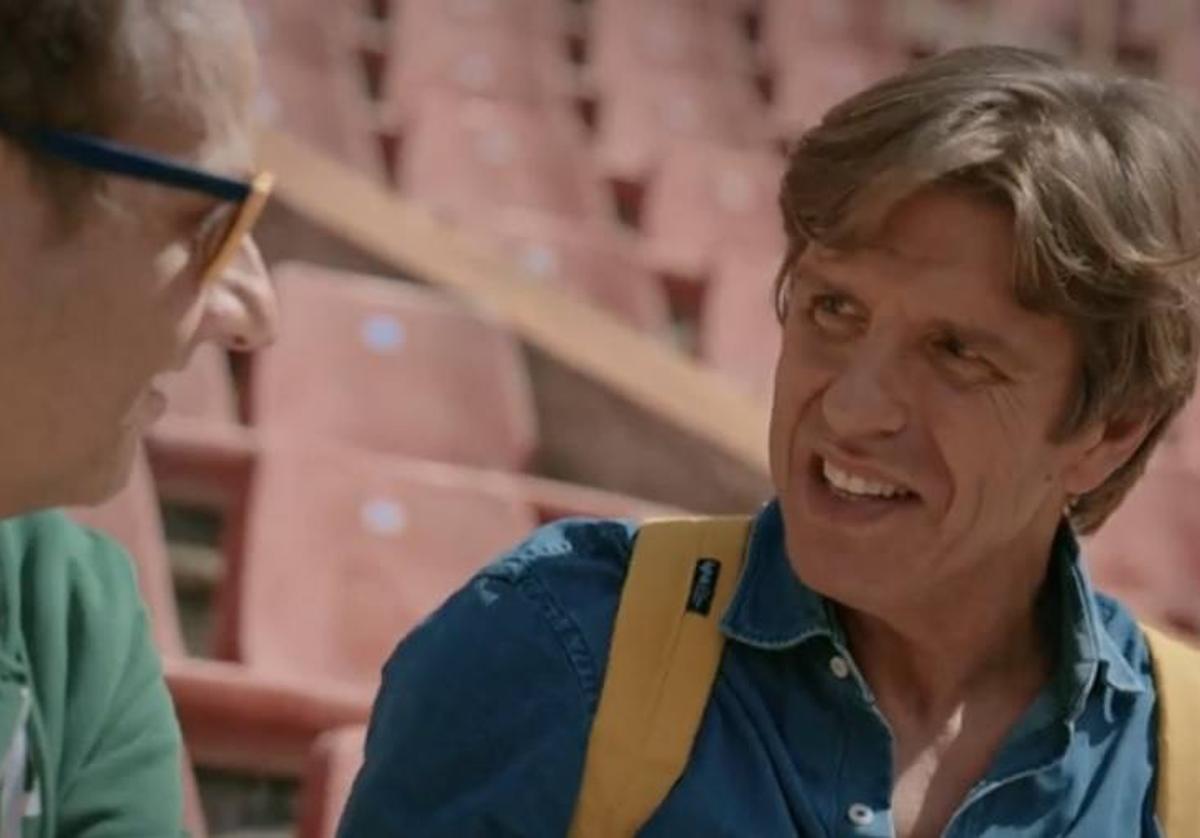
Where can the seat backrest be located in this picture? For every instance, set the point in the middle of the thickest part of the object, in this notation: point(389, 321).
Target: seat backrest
point(395, 368)
point(640, 119)
point(468, 157)
point(739, 334)
point(345, 551)
point(132, 518)
point(1148, 552)
point(323, 104)
point(333, 764)
point(601, 263)
point(203, 389)
point(791, 25)
point(628, 38)
point(706, 198)
point(820, 75)
point(505, 50)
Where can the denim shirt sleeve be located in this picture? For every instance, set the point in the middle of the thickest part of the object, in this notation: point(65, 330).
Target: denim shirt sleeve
point(482, 722)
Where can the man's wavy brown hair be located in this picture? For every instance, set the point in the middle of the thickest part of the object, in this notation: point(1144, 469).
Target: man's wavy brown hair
point(1102, 176)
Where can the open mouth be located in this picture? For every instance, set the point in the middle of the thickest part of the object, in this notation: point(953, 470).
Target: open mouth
point(843, 488)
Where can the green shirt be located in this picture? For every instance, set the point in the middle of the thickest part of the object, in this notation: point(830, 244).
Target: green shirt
point(81, 691)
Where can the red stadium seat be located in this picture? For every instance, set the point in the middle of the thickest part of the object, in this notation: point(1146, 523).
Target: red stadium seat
point(199, 450)
point(1148, 552)
point(346, 551)
point(467, 158)
point(326, 108)
point(332, 766)
point(599, 263)
point(643, 115)
point(553, 499)
point(203, 389)
point(739, 334)
point(309, 32)
point(477, 48)
point(629, 38)
point(132, 519)
point(393, 367)
point(546, 19)
point(791, 26)
point(704, 199)
point(193, 809)
point(817, 76)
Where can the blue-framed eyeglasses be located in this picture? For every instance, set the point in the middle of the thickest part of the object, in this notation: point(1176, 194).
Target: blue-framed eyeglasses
point(101, 155)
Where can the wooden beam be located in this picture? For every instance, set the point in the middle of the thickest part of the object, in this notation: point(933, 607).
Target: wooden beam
point(635, 368)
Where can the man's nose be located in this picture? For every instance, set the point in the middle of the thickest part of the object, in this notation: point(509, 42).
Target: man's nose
point(862, 400)
point(242, 310)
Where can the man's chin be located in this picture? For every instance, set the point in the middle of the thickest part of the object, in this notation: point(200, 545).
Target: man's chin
point(103, 475)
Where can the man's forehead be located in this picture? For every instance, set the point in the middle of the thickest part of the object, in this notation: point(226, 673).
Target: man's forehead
point(196, 85)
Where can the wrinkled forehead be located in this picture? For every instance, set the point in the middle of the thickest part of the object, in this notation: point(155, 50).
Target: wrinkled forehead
point(936, 231)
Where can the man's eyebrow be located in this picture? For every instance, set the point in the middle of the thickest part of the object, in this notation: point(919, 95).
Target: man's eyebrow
point(809, 275)
point(982, 338)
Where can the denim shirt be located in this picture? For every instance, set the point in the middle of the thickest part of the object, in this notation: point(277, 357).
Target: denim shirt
point(482, 723)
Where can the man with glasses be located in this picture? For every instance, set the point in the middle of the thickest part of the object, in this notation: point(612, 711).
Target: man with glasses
point(126, 201)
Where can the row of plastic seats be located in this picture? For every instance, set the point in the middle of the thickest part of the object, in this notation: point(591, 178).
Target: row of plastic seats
point(312, 83)
point(346, 339)
point(466, 157)
point(631, 38)
point(1146, 553)
point(512, 50)
point(665, 71)
point(379, 364)
point(337, 553)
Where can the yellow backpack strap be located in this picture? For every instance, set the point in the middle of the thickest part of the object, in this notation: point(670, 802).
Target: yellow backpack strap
point(1177, 683)
point(666, 646)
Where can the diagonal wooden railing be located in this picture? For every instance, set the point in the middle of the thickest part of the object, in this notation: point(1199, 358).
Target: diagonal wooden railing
point(619, 409)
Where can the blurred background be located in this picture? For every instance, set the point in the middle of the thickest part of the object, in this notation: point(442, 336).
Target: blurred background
point(524, 250)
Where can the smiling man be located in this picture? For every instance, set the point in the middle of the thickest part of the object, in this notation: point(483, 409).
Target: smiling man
point(124, 207)
point(990, 308)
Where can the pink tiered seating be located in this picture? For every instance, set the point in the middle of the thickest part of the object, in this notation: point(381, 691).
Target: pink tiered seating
point(394, 368)
point(467, 158)
point(600, 263)
point(332, 767)
point(705, 199)
point(739, 334)
point(505, 50)
point(642, 116)
point(347, 550)
point(1148, 552)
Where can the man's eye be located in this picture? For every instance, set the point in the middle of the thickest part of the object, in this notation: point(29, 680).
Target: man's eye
point(834, 313)
point(962, 361)
point(953, 347)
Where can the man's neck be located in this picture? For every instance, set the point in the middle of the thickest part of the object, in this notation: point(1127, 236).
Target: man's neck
point(928, 658)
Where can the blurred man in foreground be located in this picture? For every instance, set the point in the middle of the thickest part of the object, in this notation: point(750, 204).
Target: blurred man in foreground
point(989, 307)
point(126, 193)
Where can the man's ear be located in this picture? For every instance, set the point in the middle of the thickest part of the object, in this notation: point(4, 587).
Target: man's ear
point(1106, 447)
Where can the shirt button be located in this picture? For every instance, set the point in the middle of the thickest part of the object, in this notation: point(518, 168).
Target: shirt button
point(860, 814)
point(839, 667)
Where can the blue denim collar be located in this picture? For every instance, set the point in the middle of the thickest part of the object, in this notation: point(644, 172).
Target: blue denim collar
point(773, 610)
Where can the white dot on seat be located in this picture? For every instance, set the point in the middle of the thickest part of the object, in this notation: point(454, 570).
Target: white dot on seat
point(477, 72)
point(735, 192)
point(496, 148)
point(681, 114)
point(383, 333)
point(540, 260)
point(383, 517)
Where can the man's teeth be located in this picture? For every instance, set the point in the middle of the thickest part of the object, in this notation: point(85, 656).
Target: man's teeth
point(852, 484)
